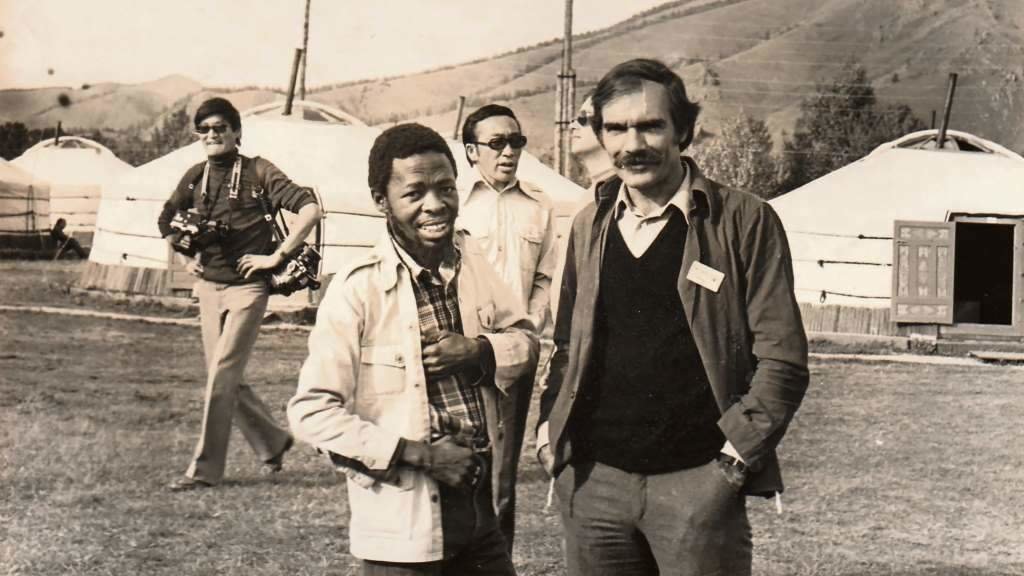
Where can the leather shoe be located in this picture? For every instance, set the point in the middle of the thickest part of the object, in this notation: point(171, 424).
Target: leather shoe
point(275, 464)
point(186, 484)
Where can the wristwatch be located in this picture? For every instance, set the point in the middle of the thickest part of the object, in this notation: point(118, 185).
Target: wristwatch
point(734, 469)
point(732, 461)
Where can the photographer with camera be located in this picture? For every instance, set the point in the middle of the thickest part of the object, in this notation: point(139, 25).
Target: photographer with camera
point(219, 217)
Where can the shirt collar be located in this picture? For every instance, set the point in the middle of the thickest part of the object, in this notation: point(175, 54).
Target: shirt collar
point(705, 197)
point(447, 270)
point(682, 200)
point(480, 184)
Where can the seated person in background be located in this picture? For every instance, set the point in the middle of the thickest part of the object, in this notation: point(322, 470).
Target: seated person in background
point(65, 242)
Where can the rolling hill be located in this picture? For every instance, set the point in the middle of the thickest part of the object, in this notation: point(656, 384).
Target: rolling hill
point(760, 57)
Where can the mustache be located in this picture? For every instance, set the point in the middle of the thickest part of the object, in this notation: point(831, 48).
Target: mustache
point(639, 157)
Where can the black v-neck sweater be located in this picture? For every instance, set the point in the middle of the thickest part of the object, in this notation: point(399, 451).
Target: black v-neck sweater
point(648, 408)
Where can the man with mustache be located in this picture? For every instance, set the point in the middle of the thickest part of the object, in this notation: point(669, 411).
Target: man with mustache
point(412, 349)
point(680, 356)
point(514, 222)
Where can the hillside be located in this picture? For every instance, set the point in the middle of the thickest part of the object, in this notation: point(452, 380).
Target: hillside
point(757, 56)
point(105, 106)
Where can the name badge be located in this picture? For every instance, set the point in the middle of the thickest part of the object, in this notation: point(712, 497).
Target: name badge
point(705, 276)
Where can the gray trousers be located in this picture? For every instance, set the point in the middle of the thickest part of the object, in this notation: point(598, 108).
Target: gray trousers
point(512, 410)
point(230, 316)
point(686, 523)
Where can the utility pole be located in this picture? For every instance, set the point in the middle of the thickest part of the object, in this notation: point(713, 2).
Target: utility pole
point(291, 83)
point(305, 53)
point(458, 118)
point(565, 97)
point(946, 110)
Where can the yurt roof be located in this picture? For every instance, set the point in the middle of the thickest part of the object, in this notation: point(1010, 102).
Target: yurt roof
point(13, 175)
point(907, 183)
point(71, 160)
point(306, 110)
point(840, 226)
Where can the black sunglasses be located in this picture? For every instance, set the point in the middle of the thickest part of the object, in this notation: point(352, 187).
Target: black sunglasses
point(516, 141)
point(218, 128)
point(583, 119)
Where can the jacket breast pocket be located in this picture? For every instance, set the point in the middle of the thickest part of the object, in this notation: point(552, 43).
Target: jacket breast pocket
point(530, 240)
point(381, 370)
point(485, 313)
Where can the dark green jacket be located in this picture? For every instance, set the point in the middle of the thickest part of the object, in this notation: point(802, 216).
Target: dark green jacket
point(749, 334)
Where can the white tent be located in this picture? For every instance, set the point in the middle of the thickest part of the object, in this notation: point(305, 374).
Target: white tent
point(329, 156)
point(76, 170)
point(840, 226)
point(24, 201)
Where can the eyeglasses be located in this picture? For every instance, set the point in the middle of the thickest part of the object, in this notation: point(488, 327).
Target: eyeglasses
point(583, 119)
point(516, 141)
point(205, 128)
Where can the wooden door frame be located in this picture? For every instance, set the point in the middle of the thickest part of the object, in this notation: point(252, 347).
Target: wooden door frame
point(1016, 328)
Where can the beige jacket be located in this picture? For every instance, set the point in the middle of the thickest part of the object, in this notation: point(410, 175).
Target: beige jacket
point(363, 387)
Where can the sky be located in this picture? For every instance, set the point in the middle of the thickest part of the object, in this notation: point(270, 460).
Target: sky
point(223, 43)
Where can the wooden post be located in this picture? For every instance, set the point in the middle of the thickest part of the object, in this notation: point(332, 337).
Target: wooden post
point(30, 210)
point(565, 92)
point(458, 118)
point(932, 125)
point(56, 137)
point(556, 157)
point(570, 109)
point(291, 83)
point(946, 110)
point(305, 53)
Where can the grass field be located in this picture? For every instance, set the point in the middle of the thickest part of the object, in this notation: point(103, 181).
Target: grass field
point(891, 469)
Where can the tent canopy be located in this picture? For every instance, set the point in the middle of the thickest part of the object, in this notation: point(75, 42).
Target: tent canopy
point(76, 170)
point(840, 226)
point(329, 156)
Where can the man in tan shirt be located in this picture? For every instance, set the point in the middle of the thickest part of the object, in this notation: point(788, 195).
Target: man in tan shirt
point(514, 223)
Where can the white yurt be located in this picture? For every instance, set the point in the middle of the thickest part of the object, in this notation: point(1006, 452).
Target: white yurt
point(76, 169)
point(912, 238)
point(24, 211)
point(328, 154)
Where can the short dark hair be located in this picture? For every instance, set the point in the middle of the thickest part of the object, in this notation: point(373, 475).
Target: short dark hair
point(626, 77)
point(402, 141)
point(222, 106)
point(481, 114)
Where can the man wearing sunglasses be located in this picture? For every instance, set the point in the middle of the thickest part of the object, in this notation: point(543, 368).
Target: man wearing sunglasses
point(586, 148)
point(514, 222)
point(233, 190)
point(680, 356)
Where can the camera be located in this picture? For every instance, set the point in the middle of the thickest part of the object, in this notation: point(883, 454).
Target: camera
point(194, 232)
point(296, 272)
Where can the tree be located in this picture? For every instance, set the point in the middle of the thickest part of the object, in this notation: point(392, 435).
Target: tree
point(840, 123)
point(741, 157)
point(174, 132)
point(14, 139)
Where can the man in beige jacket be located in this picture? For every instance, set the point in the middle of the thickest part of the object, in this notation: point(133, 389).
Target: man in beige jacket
point(412, 349)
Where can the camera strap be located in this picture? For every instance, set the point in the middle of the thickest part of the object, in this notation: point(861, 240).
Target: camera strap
point(233, 185)
point(280, 229)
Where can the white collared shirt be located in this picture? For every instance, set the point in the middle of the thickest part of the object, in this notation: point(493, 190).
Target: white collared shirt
point(639, 230)
point(515, 226)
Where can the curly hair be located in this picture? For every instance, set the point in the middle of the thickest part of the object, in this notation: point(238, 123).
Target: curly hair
point(398, 142)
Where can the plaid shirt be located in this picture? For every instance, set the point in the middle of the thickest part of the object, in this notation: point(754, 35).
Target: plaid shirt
point(456, 407)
